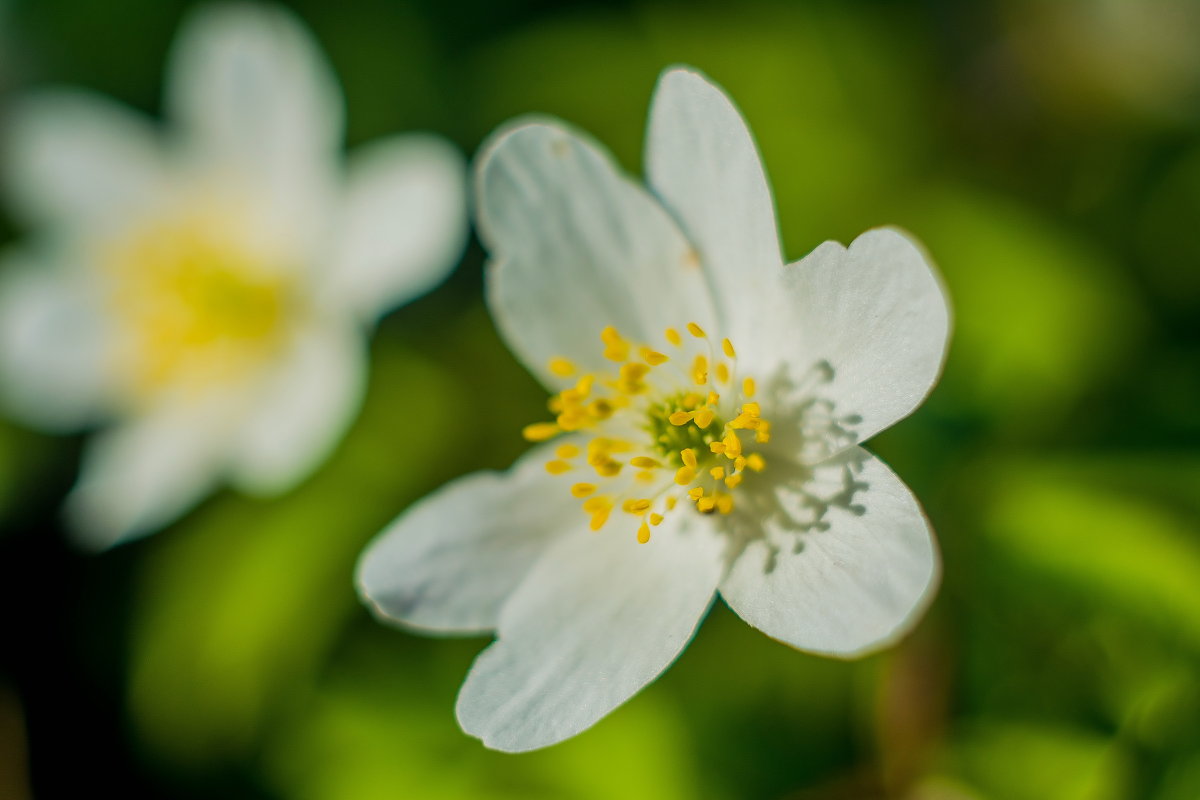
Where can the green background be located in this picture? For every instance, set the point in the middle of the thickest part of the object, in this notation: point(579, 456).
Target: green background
point(1047, 154)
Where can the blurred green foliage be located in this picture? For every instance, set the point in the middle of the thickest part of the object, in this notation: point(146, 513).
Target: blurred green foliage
point(1048, 155)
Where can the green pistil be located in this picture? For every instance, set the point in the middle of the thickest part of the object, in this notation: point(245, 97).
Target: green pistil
point(671, 439)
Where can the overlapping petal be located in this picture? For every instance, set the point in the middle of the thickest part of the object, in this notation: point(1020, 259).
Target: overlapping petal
point(864, 570)
point(141, 474)
point(402, 223)
point(300, 408)
point(76, 157)
point(54, 346)
point(575, 247)
point(256, 106)
point(597, 618)
point(874, 315)
point(702, 162)
point(451, 561)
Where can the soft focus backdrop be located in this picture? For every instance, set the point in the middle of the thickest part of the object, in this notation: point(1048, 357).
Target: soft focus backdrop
point(1048, 154)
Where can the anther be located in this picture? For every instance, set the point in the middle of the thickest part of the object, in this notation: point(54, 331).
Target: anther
point(748, 387)
point(689, 457)
point(643, 534)
point(723, 372)
point(756, 462)
point(704, 416)
point(717, 472)
point(566, 451)
point(684, 475)
point(557, 467)
point(696, 330)
point(645, 463)
point(583, 489)
point(700, 371)
point(540, 431)
point(653, 357)
point(561, 367)
point(678, 418)
point(727, 348)
point(673, 336)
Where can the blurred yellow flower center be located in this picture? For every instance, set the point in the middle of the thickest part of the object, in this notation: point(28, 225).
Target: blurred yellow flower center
point(194, 309)
point(658, 430)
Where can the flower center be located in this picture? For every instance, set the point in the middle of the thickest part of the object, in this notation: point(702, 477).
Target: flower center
point(194, 309)
point(659, 429)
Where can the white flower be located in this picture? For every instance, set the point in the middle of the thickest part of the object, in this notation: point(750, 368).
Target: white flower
point(708, 402)
point(207, 292)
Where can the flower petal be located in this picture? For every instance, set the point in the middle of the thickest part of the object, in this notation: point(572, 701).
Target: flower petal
point(141, 475)
point(865, 568)
point(403, 222)
point(73, 156)
point(449, 562)
point(865, 328)
point(53, 347)
point(301, 409)
point(702, 161)
point(598, 618)
point(259, 109)
point(576, 247)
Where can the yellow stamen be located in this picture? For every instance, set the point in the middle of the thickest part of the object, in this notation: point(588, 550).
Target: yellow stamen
point(704, 416)
point(763, 435)
point(583, 489)
point(637, 507)
point(684, 475)
point(566, 451)
point(733, 480)
point(756, 462)
point(643, 534)
point(645, 463)
point(723, 372)
point(599, 518)
point(680, 417)
point(671, 502)
point(733, 445)
point(656, 519)
point(673, 336)
point(725, 503)
point(540, 431)
point(696, 493)
point(653, 357)
point(561, 367)
point(557, 467)
point(705, 504)
point(689, 457)
point(717, 472)
point(700, 371)
point(616, 348)
point(727, 348)
point(696, 330)
point(748, 387)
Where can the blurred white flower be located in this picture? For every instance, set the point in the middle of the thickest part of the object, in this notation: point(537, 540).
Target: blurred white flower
point(708, 404)
point(207, 291)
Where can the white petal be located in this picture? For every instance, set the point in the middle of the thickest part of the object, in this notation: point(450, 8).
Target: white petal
point(598, 618)
point(139, 476)
point(865, 569)
point(875, 313)
point(77, 157)
point(702, 161)
point(54, 347)
point(449, 562)
point(301, 409)
point(576, 247)
point(403, 222)
point(259, 109)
